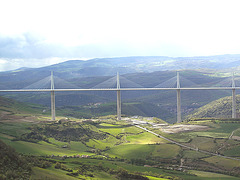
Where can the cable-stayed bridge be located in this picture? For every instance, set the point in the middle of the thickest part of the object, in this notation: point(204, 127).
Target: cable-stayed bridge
point(119, 83)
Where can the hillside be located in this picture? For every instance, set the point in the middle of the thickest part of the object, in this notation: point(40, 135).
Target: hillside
point(104, 148)
point(13, 166)
point(221, 108)
point(10, 106)
point(110, 66)
point(108, 149)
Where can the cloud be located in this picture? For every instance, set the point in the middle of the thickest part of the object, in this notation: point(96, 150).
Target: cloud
point(28, 45)
point(31, 46)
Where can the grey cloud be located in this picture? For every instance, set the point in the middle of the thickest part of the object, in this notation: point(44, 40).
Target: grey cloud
point(28, 45)
point(31, 50)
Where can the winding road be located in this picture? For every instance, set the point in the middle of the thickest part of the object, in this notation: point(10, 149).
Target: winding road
point(188, 147)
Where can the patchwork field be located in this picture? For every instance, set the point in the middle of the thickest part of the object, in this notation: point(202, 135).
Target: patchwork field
point(110, 145)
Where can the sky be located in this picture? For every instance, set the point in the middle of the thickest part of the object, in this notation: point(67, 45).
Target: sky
point(35, 33)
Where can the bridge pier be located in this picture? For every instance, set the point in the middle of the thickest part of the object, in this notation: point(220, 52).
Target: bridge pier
point(53, 105)
point(179, 114)
point(118, 99)
point(118, 105)
point(234, 113)
point(53, 112)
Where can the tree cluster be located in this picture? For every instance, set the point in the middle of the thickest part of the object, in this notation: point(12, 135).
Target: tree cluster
point(63, 131)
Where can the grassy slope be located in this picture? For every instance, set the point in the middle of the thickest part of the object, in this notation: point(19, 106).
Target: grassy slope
point(43, 148)
point(14, 107)
point(227, 163)
point(221, 108)
point(142, 151)
point(51, 173)
point(131, 143)
point(209, 175)
point(13, 166)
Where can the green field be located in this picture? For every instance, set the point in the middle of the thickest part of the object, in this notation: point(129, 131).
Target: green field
point(121, 145)
point(142, 151)
point(237, 132)
point(51, 173)
point(131, 168)
point(222, 130)
point(226, 163)
point(14, 129)
point(234, 151)
point(189, 154)
point(144, 138)
point(43, 148)
point(204, 143)
point(118, 129)
point(210, 175)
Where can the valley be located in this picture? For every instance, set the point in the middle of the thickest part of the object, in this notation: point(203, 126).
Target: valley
point(161, 104)
point(86, 141)
point(107, 149)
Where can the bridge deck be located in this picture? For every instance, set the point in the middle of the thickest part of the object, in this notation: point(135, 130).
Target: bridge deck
point(122, 89)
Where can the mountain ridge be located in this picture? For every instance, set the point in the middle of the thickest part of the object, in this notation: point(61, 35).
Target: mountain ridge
point(147, 63)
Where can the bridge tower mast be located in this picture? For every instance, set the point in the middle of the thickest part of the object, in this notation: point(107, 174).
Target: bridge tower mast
point(118, 98)
point(179, 118)
point(52, 98)
point(234, 113)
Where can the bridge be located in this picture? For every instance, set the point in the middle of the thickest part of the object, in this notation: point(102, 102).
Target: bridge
point(118, 89)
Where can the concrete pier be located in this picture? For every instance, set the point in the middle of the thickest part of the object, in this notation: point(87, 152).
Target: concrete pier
point(179, 114)
point(53, 112)
point(118, 98)
point(53, 105)
point(234, 113)
point(118, 105)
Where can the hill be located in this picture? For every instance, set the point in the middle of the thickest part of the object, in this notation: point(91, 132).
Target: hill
point(221, 108)
point(12, 166)
point(110, 66)
point(10, 106)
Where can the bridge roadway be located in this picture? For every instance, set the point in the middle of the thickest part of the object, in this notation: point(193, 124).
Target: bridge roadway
point(121, 89)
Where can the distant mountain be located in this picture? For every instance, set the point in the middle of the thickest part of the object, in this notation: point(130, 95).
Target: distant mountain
point(110, 66)
point(125, 65)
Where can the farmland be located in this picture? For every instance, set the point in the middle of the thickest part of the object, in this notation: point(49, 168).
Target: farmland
point(119, 144)
point(104, 148)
